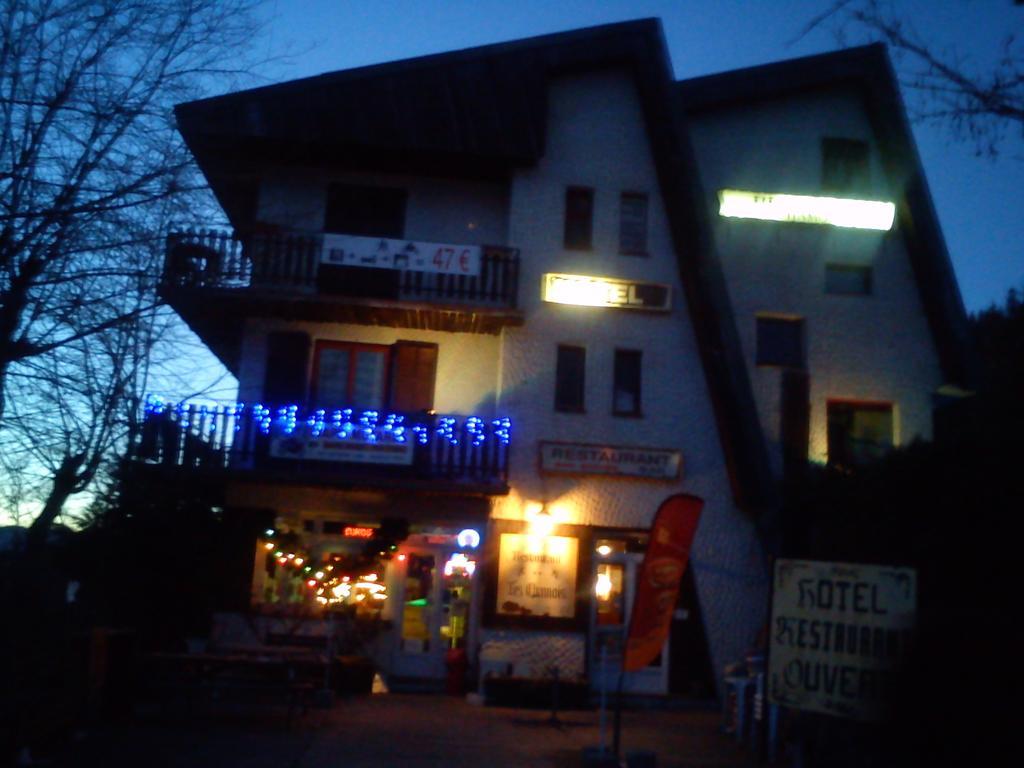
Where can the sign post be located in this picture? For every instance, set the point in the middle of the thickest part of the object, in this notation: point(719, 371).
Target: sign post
point(657, 587)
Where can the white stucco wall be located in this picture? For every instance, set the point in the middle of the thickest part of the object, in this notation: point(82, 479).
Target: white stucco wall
point(437, 210)
point(467, 363)
point(596, 138)
point(876, 347)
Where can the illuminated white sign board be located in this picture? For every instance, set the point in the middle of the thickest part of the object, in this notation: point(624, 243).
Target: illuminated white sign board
point(388, 253)
point(585, 291)
point(839, 632)
point(537, 575)
point(805, 209)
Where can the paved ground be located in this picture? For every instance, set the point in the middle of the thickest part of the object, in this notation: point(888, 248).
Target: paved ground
point(401, 730)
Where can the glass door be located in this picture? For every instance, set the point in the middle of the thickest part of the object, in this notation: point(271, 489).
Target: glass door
point(614, 589)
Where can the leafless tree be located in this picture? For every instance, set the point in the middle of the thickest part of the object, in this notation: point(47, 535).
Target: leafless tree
point(91, 170)
point(983, 104)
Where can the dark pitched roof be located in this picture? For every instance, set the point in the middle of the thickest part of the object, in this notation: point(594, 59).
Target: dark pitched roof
point(868, 71)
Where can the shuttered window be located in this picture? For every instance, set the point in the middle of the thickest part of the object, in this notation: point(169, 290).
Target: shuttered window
point(284, 379)
point(413, 372)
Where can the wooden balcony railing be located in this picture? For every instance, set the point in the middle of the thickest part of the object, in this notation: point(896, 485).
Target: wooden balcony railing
point(329, 445)
point(293, 263)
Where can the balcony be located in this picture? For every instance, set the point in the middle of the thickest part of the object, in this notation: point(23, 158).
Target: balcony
point(339, 448)
point(216, 279)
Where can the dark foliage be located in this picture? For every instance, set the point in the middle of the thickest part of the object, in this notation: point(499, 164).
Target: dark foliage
point(947, 509)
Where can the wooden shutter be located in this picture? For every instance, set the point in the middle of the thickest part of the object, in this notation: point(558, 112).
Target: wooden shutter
point(284, 380)
point(413, 371)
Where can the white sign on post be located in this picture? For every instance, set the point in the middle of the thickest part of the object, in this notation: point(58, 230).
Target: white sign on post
point(389, 253)
point(838, 632)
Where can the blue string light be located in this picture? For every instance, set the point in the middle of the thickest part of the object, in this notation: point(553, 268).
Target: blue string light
point(368, 426)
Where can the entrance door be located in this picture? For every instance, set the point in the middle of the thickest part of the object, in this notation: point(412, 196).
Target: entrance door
point(418, 652)
point(433, 598)
point(614, 580)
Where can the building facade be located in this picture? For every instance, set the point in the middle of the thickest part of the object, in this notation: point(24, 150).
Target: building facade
point(488, 309)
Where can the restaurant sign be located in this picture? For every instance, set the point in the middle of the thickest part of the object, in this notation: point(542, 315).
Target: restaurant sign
point(389, 253)
point(537, 576)
point(331, 448)
point(620, 461)
point(838, 633)
point(585, 291)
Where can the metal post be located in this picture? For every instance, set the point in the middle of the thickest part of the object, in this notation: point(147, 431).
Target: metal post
point(604, 699)
point(617, 738)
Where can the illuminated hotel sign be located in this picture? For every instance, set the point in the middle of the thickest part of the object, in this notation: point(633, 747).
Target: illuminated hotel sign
point(805, 209)
point(584, 291)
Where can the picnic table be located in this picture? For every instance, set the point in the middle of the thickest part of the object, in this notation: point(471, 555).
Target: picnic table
point(289, 675)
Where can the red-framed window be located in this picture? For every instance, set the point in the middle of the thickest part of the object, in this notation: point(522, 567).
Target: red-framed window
point(350, 375)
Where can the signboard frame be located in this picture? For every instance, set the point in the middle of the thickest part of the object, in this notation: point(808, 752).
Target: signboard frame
point(629, 291)
point(491, 618)
point(673, 455)
point(845, 645)
point(402, 255)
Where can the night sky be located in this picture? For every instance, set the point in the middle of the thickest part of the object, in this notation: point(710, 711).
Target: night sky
point(978, 200)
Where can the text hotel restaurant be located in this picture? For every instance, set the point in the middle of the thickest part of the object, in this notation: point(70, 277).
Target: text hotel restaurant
point(488, 309)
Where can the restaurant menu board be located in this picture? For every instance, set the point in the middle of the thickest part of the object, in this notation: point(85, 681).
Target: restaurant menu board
point(389, 253)
point(838, 633)
point(537, 575)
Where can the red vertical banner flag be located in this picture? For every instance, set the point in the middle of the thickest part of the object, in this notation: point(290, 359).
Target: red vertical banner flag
point(657, 588)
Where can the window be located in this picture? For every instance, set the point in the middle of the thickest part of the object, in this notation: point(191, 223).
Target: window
point(579, 218)
point(633, 224)
point(858, 432)
point(287, 365)
point(569, 373)
point(844, 165)
point(413, 371)
point(626, 389)
point(347, 375)
point(780, 341)
point(361, 210)
point(847, 279)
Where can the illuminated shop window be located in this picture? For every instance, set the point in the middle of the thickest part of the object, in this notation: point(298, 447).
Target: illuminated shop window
point(579, 218)
point(633, 224)
point(570, 370)
point(844, 165)
point(859, 433)
point(848, 279)
point(780, 341)
point(609, 593)
point(626, 388)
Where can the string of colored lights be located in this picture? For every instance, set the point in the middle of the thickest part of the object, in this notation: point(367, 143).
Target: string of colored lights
point(325, 582)
point(368, 426)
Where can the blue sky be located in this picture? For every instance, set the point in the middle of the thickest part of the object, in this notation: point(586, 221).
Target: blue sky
point(978, 200)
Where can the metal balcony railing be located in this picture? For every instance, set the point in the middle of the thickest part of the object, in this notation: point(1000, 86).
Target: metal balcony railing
point(294, 263)
point(341, 443)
